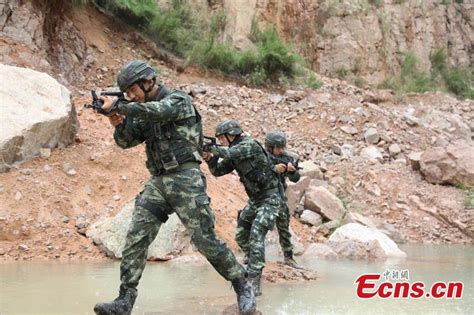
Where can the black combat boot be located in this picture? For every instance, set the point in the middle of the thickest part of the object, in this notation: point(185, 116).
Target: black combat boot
point(255, 279)
point(289, 261)
point(122, 305)
point(245, 296)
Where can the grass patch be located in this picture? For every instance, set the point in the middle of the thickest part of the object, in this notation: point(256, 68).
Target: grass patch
point(270, 61)
point(458, 81)
point(176, 29)
point(468, 195)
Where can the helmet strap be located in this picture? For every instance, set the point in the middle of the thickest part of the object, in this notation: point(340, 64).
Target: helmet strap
point(228, 140)
point(147, 91)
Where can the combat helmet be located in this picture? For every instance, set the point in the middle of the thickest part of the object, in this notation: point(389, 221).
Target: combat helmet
point(228, 127)
point(134, 72)
point(275, 139)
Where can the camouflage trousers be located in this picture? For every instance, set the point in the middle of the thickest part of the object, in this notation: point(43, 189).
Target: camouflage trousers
point(184, 193)
point(283, 227)
point(254, 221)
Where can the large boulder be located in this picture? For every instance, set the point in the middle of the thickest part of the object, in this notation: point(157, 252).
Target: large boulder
point(318, 250)
point(172, 239)
point(295, 192)
point(272, 243)
point(451, 165)
point(384, 227)
point(310, 169)
point(354, 240)
point(311, 218)
point(36, 113)
point(320, 200)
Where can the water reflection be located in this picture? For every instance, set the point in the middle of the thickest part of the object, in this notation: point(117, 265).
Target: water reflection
point(54, 288)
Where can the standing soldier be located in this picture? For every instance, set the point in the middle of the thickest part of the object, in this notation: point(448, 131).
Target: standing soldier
point(251, 162)
point(275, 143)
point(171, 128)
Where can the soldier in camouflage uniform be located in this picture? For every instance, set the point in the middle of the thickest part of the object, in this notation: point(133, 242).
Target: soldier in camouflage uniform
point(171, 128)
point(275, 144)
point(251, 162)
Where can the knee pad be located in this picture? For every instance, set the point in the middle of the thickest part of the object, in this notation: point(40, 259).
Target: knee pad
point(152, 207)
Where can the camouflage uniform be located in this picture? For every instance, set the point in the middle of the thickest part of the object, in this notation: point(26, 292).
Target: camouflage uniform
point(171, 128)
point(248, 158)
point(181, 189)
point(283, 220)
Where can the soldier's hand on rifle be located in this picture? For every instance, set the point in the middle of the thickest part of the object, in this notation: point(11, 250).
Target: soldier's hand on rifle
point(290, 168)
point(108, 102)
point(280, 168)
point(206, 156)
point(116, 119)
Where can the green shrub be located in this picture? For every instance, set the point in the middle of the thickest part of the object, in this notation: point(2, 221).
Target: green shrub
point(275, 57)
point(460, 82)
point(214, 56)
point(313, 82)
point(375, 3)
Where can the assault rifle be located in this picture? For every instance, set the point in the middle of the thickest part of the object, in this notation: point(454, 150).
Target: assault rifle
point(209, 142)
point(98, 103)
point(285, 159)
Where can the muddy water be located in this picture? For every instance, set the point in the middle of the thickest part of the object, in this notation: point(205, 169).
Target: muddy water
point(193, 288)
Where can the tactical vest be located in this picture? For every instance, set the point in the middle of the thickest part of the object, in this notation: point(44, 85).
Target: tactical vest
point(166, 147)
point(256, 173)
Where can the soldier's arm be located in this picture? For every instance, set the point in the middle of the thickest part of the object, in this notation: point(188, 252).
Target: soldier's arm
point(128, 134)
point(220, 168)
point(235, 153)
point(171, 108)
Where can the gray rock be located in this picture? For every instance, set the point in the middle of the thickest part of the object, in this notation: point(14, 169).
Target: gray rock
point(275, 98)
point(411, 120)
point(332, 224)
point(272, 244)
point(318, 250)
point(414, 159)
point(336, 149)
point(372, 136)
point(363, 239)
point(23, 247)
point(320, 200)
point(311, 218)
point(371, 153)
point(347, 150)
point(295, 192)
point(311, 170)
point(349, 130)
point(394, 149)
point(18, 196)
point(355, 249)
point(45, 152)
point(49, 121)
point(172, 239)
point(451, 165)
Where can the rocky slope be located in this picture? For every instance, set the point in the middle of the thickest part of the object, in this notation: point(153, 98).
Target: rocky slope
point(355, 39)
point(45, 208)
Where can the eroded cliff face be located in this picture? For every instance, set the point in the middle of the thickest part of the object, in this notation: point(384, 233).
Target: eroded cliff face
point(357, 38)
point(38, 34)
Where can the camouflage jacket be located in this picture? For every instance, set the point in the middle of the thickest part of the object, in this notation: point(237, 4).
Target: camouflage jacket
point(249, 159)
point(170, 126)
point(292, 176)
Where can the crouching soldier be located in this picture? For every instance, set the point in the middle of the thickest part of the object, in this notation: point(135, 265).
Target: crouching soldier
point(251, 162)
point(275, 143)
point(171, 128)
